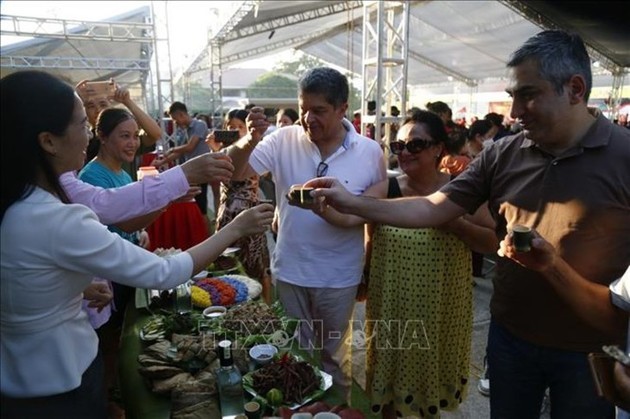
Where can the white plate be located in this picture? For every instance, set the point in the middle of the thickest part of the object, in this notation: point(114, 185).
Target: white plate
point(201, 275)
point(213, 312)
point(230, 250)
point(326, 382)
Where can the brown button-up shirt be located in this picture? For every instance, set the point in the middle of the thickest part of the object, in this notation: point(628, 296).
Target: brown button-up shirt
point(579, 201)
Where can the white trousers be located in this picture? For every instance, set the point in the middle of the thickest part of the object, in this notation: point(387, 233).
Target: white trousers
point(326, 317)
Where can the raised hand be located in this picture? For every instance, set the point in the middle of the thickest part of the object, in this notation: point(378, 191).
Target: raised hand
point(255, 220)
point(257, 123)
point(121, 95)
point(212, 142)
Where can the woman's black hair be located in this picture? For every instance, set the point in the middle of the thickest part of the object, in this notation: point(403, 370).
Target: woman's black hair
point(439, 107)
point(291, 113)
point(235, 113)
point(433, 123)
point(456, 140)
point(481, 127)
point(109, 119)
point(32, 102)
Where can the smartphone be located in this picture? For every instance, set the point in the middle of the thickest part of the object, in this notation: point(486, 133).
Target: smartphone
point(226, 137)
point(602, 367)
point(99, 88)
point(616, 353)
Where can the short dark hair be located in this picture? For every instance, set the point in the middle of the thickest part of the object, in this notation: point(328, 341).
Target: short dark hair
point(325, 81)
point(177, 106)
point(559, 55)
point(52, 101)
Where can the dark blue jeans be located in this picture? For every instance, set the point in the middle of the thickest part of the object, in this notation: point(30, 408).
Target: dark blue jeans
point(521, 372)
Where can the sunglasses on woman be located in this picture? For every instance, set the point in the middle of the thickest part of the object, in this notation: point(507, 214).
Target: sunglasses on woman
point(416, 145)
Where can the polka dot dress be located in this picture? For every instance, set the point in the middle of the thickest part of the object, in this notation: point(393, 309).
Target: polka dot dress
point(419, 321)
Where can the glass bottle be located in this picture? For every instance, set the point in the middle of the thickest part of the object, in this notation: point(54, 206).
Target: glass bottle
point(229, 382)
point(161, 147)
point(183, 298)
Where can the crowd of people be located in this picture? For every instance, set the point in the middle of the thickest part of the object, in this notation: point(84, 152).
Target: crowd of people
point(408, 244)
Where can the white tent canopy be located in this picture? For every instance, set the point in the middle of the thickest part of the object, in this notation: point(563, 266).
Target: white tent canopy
point(467, 41)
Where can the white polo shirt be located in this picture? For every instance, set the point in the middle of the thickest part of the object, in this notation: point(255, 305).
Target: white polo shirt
point(310, 252)
point(620, 296)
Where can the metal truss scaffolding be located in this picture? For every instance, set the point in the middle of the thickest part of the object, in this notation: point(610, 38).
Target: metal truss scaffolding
point(144, 33)
point(67, 29)
point(385, 58)
point(163, 73)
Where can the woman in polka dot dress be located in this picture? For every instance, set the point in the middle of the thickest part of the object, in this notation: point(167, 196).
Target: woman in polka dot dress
point(419, 304)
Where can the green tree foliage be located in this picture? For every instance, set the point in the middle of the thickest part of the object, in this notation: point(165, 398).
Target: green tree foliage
point(299, 66)
point(196, 97)
point(272, 85)
point(275, 83)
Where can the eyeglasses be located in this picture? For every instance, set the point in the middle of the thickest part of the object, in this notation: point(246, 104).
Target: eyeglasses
point(322, 169)
point(416, 145)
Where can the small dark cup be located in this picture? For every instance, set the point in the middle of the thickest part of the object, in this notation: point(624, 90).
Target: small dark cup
point(302, 195)
point(522, 238)
point(253, 410)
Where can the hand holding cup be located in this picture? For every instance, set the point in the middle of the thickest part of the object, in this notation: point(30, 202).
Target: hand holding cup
point(541, 255)
point(257, 123)
point(522, 238)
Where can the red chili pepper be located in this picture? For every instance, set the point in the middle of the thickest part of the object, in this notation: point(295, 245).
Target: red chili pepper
point(284, 359)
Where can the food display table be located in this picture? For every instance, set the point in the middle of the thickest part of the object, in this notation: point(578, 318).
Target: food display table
point(181, 226)
point(141, 403)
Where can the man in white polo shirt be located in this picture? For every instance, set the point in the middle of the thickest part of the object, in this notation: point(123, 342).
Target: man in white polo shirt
point(317, 264)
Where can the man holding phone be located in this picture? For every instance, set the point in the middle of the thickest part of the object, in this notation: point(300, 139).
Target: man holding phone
point(192, 133)
point(98, 96)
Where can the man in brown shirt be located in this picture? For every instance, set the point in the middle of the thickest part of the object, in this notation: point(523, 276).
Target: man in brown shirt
point(567, 176)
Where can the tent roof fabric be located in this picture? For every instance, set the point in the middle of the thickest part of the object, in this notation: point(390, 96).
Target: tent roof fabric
point(470, 40)
point(127, 54)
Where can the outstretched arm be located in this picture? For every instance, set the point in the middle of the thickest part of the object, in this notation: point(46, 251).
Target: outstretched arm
point(476, 231)
point(334, 217)
point(412, 212)
point(115, 205)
